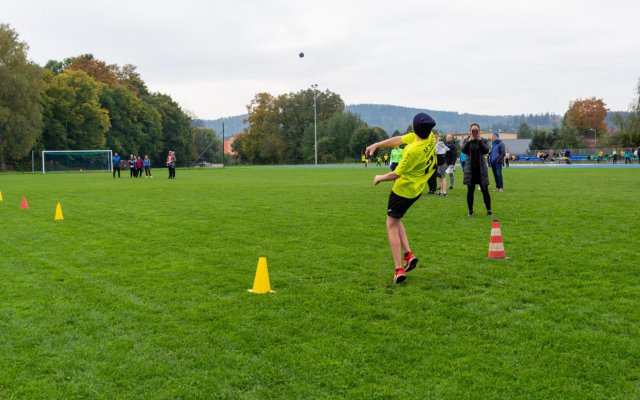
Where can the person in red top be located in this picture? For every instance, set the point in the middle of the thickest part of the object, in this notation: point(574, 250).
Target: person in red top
point(139, 167)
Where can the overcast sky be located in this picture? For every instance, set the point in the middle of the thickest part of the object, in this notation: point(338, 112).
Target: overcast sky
point(489, 57)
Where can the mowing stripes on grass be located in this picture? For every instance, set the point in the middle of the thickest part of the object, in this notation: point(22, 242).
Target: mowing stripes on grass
point(141, 291)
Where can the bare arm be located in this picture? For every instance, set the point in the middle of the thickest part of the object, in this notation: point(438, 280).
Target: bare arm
point(391, 142)
point(389, 176)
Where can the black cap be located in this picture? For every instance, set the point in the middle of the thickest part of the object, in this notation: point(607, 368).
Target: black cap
point(422, 125)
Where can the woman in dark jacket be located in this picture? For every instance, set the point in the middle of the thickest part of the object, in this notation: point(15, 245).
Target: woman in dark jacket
point(476, 169)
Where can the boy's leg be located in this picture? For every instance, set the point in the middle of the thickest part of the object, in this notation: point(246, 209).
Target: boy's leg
point(404, 242)
point(395, 241)
point(409, 261)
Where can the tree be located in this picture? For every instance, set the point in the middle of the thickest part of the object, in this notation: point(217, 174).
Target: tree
point(541, 140)
point(74, 118)
point(524, 132)
point(97, 69)
point(628, 132)
point(206, 144)
point(334, 137)
point(261, 125)
point(584, 115)
point(176, 127)
point(128, 76)
point(20, 93)
point(279, 125)
point(136, 126)
point(363, 136)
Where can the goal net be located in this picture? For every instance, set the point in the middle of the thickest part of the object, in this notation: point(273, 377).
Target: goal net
point(76, 160)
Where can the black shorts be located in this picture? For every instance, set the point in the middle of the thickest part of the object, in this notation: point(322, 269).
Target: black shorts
point(399, 205)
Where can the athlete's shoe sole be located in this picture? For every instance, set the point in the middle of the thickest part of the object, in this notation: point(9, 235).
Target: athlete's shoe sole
point(399, 275)
point(399, 278)
point(411, 264)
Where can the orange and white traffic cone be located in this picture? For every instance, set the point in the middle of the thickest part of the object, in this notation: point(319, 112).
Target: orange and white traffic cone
point(496, 247)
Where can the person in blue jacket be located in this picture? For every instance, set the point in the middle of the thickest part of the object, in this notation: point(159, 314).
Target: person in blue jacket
point(496, 160)
point(116, 164)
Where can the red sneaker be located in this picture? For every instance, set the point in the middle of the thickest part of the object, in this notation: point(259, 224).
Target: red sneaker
point(399, 275)
point(410, 262)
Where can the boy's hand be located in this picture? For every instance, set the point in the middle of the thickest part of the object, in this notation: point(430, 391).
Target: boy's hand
point(377, 179)
point(370, 150)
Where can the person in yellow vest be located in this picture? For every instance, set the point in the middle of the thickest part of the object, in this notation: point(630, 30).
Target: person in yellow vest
point(409, 180)
point(615, 156)
point(365, 161)
point(386, 158)
point(396, 156)
point(600, 154)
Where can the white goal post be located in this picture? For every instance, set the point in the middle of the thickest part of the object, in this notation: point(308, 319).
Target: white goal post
point(68, 160)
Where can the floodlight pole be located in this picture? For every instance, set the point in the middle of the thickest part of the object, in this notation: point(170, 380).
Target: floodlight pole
point(315, 122)
point(595, 136)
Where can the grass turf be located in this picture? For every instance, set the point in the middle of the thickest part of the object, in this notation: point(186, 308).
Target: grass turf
point(141, 292)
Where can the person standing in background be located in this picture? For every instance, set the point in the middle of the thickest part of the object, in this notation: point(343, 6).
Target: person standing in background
point(132, 166)
point(452, 156)
point(139, 167)
point(496, 159)
point(171, 164)
point(116, 164)
point(147, 167)
point(441, 160)
point(396, 156)
point(476, 171)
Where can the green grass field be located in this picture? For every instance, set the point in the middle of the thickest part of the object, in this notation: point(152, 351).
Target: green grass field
point(141, 292)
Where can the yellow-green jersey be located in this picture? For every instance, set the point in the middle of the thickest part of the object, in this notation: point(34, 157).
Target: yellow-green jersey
point(416, 167)
point(396, 155)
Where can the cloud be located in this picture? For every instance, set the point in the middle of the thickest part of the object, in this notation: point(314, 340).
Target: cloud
point(491, 56)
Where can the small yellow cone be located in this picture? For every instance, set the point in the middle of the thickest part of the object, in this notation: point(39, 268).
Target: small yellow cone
point(261, 283)
point(0, 196)
point(58, 216)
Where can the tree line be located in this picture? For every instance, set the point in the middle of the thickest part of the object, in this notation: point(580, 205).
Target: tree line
point(584, 125)
point(84, 103)
point(283, 130)
point(391, 117)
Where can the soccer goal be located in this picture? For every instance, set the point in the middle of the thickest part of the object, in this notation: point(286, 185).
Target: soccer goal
point(77, 160)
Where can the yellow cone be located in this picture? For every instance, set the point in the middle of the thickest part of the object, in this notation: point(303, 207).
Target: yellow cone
point(0, 196)
point(58, 216)
point(261, 283)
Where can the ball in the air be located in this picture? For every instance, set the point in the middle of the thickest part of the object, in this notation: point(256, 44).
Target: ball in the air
point(301, 55)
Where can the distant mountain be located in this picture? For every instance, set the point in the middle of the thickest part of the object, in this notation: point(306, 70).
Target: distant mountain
point(232, 125)
point(392, 118)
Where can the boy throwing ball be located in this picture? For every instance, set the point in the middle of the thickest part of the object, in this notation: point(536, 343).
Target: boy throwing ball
point(410, 177)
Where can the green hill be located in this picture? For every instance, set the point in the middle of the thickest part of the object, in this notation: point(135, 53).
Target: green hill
point(391, 118)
